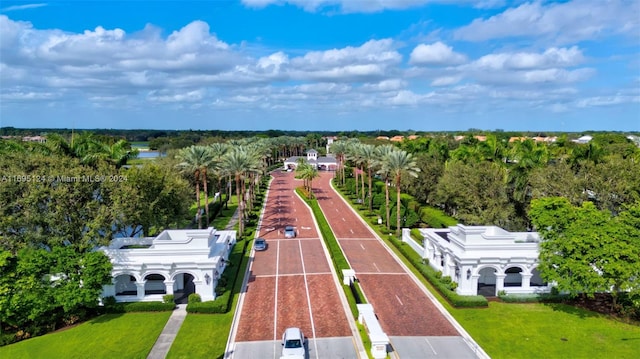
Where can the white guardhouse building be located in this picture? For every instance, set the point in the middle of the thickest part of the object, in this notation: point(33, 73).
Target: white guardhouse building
point(327, 163)
point(485, 259)
point(178, 262)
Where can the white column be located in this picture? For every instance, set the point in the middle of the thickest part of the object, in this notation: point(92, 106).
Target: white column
point(168, 285)
point(526, 280)
point(499, 282)
point(140, 289)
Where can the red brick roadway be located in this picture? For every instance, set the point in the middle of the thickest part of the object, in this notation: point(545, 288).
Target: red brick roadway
point(290, 284)
point(401, 306)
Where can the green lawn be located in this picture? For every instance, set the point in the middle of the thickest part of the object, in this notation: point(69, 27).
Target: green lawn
point(202, 336)
point(130, 335)
point(507, 330)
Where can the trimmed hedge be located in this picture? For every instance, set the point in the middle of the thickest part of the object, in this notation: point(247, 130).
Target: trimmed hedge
point(218, 306)
point(139, 307)
point(533, 298)
point(436, 218)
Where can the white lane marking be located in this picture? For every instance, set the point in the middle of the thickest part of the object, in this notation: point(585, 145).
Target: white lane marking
point(431, 346)
point(374, 264)
point(351, 231)
point(363, 248)
point(275, 309)
point(306, 288)
point(398, 298)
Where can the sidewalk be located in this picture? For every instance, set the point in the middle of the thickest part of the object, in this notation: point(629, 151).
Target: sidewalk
point(233, 221)
point(163, 344)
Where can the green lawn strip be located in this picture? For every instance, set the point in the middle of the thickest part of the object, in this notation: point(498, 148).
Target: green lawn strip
point(502, 329)
point(223, 218)
point(339, 263)
point(129, 335)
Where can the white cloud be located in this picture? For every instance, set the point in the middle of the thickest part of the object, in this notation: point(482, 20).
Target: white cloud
point(566, 22)
point(551, 58)
point(446, 80)
point(368, 6)
point(23, 7)
point(437, 54)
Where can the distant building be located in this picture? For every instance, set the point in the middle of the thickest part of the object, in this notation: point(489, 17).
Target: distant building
point(328, 163)
point(178, 262)
point(383, 138)
point(397, 138)
point(583, 139)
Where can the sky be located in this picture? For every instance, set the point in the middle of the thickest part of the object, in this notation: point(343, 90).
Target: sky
point(321, 65)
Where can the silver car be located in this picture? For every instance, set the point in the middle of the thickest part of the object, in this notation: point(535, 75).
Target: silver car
point(293, 344)
point(289, 232)
point(260, 244)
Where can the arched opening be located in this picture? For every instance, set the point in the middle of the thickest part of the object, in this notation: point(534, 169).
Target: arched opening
point(487, 282)
point(154, 284)
point(513, 277)
point(536, 280)
point(125, 284)
point(183, 286)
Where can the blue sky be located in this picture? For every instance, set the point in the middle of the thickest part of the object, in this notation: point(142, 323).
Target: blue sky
point(424, 65)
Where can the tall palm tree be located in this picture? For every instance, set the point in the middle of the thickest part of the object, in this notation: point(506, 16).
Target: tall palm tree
point(368, 156)
point(383, 152)
point(399, 163)
point(193, 160)
point(218, 150)
point(339, 148)
point(237, 163)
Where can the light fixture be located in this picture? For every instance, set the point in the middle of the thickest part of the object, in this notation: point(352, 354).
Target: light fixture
point(207, 278)
point(468, 273)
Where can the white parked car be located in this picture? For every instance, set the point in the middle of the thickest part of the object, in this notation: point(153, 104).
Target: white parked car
point(293, 344)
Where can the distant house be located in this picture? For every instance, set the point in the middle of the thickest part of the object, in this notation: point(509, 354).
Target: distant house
point(413, 137)
point(397, 138)
point(517, 139)
point(483, 259)
point(330, 140)
point(583, 139)
point(383, 138)
point(178, 262)
point(328, 163)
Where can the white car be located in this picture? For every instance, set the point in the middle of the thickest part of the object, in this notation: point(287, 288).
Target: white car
point(293, 344)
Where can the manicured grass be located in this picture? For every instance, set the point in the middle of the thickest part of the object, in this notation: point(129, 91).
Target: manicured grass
point(536, 330)
point(129, 335)
point(506, 330)
point(202, 336)
point(223, 218)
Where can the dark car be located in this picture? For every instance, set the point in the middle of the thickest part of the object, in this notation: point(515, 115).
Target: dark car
point(260, 244)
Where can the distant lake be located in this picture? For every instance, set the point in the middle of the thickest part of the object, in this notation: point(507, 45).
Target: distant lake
point(150, 154)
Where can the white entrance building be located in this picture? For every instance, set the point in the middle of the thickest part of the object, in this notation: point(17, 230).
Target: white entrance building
point(328, 163)
point(484, 259)
point(178, 262)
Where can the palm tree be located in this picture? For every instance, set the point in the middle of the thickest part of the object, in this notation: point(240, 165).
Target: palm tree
point(194, 160)
point(218, 150)
point(399, 163)
point(382, 153)
point(368, 156)
point(237, 163)
point(339, 148)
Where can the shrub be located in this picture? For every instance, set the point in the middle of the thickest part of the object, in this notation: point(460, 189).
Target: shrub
point(109, 301)
point(436, 218)
point(218, 306)
point(141, 307)
point(169, 298)
point(194, 298)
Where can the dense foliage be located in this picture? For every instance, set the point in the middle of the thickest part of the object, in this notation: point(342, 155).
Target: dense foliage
point(60, 201)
